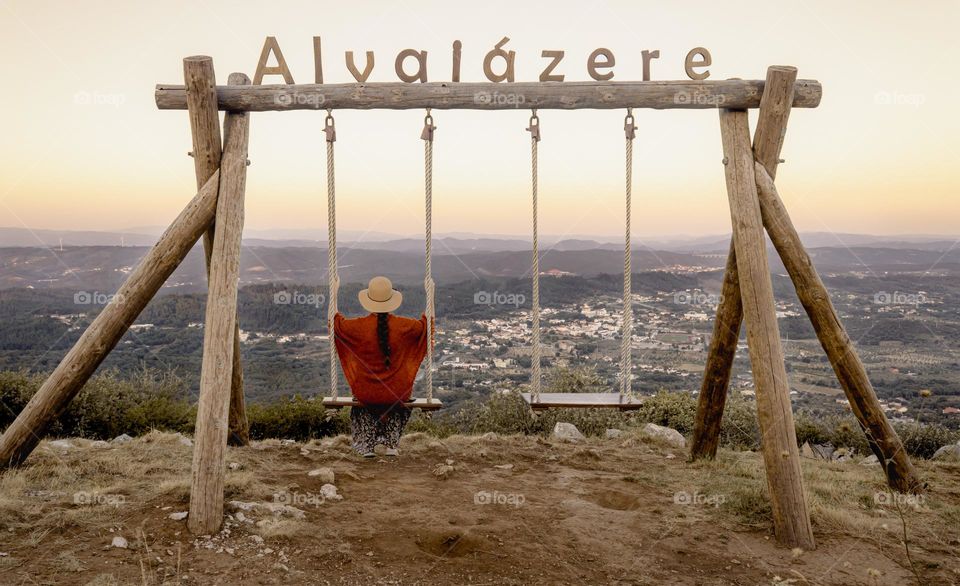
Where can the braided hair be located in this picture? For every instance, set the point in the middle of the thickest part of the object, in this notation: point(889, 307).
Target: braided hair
point(383, 337)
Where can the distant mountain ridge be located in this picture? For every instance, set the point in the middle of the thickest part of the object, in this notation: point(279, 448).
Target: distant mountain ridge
point(461, 243)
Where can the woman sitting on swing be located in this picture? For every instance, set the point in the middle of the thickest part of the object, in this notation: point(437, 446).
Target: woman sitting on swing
point(380, 354)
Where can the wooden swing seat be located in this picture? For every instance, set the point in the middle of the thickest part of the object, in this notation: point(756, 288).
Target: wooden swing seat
point(424, 404)
point(583, 401)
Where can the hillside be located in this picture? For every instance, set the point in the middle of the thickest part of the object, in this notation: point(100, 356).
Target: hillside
point(465, 509)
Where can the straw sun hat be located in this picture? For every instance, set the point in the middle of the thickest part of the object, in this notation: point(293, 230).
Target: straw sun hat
point(380, 296)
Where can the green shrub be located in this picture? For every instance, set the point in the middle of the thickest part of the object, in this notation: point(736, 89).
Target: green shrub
point(739, 428)
point(923, 439)
point(296, 418)
point(108, 405)
point(670, 409)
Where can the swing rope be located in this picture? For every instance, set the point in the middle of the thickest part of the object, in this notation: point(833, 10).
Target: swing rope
point(428, 285)
point(333, 278)
point(626, 366)
point(535, 377)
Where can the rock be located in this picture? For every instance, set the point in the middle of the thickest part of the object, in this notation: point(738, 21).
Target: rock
point(667, 435)
point(257, 539)
point(185, 441)
point(179, 516)
point(504, 467)
point(99, 444)
point(870, 460)
point(121, 439)
point(329, 493)
point(287, 442)
point(949, 452)
point(234, 466)
point(61, 444)
point(119, 541)
point(806, 451)
point(325, 475)
point(613, 433)
point(489, 436)
point(443, 471)
point(567, 432)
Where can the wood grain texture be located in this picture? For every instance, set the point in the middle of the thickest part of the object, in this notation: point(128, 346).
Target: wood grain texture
point(204, 116)
point(813, 295)
point(710, 94)
point(778, 436)
point(210, 439)
point(775, 106)
point(109, 326)
point(719, 365)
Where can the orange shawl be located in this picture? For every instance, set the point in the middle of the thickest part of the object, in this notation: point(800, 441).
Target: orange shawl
point(370, 380)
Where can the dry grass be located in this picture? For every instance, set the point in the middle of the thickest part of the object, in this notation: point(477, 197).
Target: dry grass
point(40, 501)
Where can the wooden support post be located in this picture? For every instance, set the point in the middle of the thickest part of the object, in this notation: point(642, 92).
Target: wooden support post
point(108, 327)
point(210, 441)
point(716, 372)
point(201, 98)
point(775, 106)
point(813, 295)
point(778, 440)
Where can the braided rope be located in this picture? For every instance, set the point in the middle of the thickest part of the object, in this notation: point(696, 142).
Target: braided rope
point(333, 278)
point(536, 350)
point(626, 366)
point(428, 283)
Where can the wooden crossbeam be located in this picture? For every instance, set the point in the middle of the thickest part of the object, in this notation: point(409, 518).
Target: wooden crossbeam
point(687, 95)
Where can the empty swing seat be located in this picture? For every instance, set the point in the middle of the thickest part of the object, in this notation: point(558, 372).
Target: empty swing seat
point(418, 403)
point(583, 401)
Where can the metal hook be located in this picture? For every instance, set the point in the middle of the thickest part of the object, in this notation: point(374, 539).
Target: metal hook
point(629, 128)
point(428, 127)
point(329, 127)
point(534, 128)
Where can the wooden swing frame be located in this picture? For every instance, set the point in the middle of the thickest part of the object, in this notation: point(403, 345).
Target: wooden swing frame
point(216, 213)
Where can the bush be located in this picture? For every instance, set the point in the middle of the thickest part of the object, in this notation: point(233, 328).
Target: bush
point(108, 405)
point(296, 418)
point(670, 409)
point(923, 440)
point(739, 428)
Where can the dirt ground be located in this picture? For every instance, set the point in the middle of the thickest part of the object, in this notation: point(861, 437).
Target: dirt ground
point(463, 510)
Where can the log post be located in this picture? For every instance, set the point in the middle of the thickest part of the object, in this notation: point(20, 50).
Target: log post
point(109, 326)
point(778, 440)
point(201, 97)
point(716, 372)
point(206, 488)
point(775, 106)
point(813, 295)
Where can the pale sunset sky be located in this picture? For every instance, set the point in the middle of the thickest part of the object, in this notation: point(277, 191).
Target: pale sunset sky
point(83, 146)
